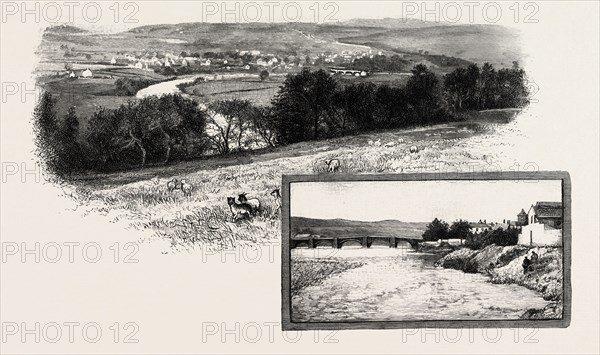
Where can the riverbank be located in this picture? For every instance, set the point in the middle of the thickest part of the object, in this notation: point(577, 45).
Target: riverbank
point(504, 265)
point(311, 272)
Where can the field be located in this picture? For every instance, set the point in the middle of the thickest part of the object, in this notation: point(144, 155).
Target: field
point(252, 89)
point(140, 199)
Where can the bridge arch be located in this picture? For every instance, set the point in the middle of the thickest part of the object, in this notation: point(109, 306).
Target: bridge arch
point(350, 242)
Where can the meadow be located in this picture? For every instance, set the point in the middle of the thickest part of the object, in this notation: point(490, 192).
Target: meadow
point(140, 199)
point(259, 92)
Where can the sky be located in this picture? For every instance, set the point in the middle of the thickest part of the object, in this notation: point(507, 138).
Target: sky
point(420, 201)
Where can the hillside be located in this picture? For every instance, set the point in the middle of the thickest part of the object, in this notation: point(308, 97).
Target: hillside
point(476, 43)
point(415, 40)
point(344, 227)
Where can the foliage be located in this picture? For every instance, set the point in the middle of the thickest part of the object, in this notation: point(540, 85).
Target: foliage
point(151, 130)
point(475, 88)
point(303, 104)
point(459, 230)
point(129, 87)
point(263, 75)
point(309, 105)
point(228, 123)
point(435, 230)
point(497, 236)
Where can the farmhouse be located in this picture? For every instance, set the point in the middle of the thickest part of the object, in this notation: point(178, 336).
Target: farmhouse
point(480, 227)
point(543, 224)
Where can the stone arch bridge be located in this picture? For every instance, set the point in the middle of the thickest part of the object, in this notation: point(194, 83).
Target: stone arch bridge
point(312, 241)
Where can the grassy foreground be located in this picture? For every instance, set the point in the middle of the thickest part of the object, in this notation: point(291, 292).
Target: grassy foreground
point(140, 199)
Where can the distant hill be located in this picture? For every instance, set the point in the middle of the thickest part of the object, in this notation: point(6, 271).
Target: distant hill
point(475, 43)
point(344, 227)
point(64, 29)
point(442, 46)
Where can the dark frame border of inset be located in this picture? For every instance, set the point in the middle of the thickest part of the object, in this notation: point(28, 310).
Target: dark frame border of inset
point(286, 306)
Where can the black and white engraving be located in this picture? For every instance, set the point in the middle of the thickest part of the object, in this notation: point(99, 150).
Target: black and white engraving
point(381, 253)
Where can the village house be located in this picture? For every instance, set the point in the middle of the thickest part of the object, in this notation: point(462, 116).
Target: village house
point(543, 224)
point(480, 227)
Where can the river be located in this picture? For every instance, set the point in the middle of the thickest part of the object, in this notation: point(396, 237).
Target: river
point(401, 285)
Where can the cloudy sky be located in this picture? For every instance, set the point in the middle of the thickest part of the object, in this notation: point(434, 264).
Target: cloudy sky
point(419, 201)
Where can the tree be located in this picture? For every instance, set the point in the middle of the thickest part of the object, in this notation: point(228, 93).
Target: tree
point(263, 123)
point(45, 127)
point(498, 236)
point(227, 123)
point(149, 130)
point(435, 230)
point(424, 94)
point(356, 104)
point(391, 107)
point(264, 75)
point(69, 150)
point(459, 230)
point(103, 137)
point(303, 104)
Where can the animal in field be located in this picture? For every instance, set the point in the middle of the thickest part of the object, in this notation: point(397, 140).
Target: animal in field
point(173, 185)
point(253, 202)
point(186, 187)
point(333, 165)
point(377, 143)
point(389, 144)
point(400, 140)
point(277, 197)
point(414, 149)
point(239, 210)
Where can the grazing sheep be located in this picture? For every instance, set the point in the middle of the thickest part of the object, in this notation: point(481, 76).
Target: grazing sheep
point(414, 149)
point(239, 209)
point(186, 187)
point(173, 185)
point(253, 202)
point(377, 143)
point(389, 144)
point(333, 165)
point(370, 143)
point(400, 140)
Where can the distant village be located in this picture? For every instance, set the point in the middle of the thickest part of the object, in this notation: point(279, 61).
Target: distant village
point(239, 60)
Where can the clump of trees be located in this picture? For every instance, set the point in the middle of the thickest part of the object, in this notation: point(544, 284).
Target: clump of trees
point(153, 130)
point(502, 237)
point(313, 105)
point(475, 88)
point(309, 105)
point(460, 229)
point(129, 87)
